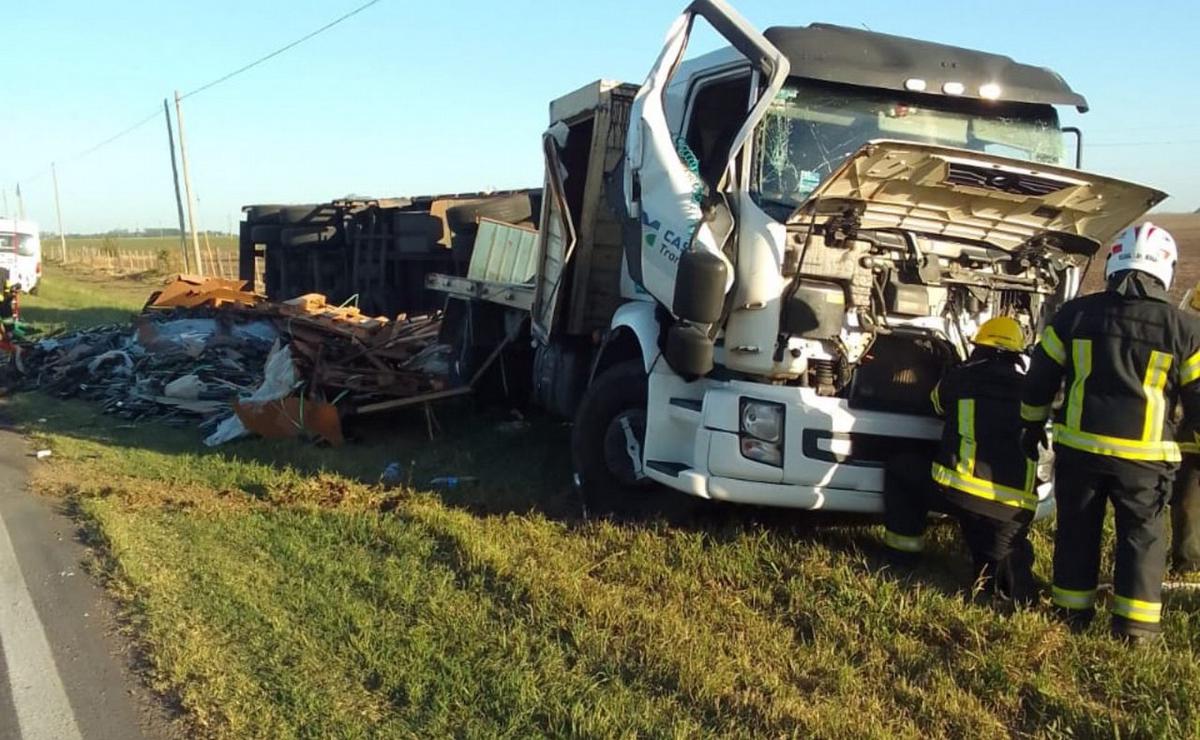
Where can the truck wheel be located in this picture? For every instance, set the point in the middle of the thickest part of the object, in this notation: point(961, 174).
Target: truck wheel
point(309, 215)
point(608, 440)
point(258, 215)
point(264, 234)
point(510, 209)
point(307, 237)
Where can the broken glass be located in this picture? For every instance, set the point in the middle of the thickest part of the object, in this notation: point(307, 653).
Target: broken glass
point(813, 127)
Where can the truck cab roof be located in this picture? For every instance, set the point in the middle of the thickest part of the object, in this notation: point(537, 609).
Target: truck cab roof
point(854, 56)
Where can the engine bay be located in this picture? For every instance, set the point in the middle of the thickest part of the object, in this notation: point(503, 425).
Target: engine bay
point(877, 315)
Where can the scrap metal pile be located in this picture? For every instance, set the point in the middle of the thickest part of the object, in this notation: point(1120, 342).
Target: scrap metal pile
point(207, 350)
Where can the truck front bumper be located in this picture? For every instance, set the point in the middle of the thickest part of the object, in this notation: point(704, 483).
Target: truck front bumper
point(833, 455)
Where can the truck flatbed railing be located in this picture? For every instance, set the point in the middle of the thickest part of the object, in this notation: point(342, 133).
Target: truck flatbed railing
point(505, 294)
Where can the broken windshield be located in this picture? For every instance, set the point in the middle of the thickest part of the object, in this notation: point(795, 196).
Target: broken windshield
point(813, 127)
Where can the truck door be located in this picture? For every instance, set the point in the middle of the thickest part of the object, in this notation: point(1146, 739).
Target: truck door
point(557, 239)
point(662, 185)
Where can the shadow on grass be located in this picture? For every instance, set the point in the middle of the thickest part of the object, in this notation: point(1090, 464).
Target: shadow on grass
point(505, 464)
point(51, 318)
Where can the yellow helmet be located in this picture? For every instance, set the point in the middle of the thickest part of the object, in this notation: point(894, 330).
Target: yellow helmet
point(1002, 332)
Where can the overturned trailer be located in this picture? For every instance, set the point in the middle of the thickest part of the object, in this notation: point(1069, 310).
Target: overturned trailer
point(374, 251)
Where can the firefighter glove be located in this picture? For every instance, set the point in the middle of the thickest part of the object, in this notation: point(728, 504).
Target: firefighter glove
point(1033, 437)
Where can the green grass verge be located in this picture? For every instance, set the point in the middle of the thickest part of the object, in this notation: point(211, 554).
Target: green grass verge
point(70, 299)
point(278, 591)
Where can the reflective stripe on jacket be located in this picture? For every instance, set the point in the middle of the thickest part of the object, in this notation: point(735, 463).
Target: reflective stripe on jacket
point(979, 453)
point(1127, 358)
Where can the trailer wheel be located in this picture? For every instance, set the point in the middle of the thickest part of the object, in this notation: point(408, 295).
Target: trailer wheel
point(307, 237)
point(510, 209)
point(265, 234)
point(263, 214)
point(317, 214)
point(608, 440)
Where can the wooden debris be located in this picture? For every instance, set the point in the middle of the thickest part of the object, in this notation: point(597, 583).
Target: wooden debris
point(201, 344)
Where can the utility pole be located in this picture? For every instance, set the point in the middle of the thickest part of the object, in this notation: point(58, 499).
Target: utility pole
point(20, 203)
point(5, 194)
point(187, 187)
point(62, 237)
point(175, 181)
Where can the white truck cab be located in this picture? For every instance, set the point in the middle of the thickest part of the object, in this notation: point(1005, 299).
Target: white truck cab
point(817, 219)
point(21, 253)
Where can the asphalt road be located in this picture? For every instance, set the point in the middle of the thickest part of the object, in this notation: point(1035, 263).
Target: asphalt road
point(65, 673)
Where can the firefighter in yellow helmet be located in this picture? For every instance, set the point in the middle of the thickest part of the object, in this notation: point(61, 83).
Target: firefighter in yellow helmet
point(1127, 358)
point(979, 473)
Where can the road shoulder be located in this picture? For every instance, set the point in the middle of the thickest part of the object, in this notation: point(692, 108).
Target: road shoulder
point(94, 662)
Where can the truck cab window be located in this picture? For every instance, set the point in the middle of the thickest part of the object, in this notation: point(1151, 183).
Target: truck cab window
point(718, 110)
point(813, 127)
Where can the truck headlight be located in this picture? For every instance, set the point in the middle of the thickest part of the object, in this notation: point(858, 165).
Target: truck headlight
point(762, 420)
point(761, 427)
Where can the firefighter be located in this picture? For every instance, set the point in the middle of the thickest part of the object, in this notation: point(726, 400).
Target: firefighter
point(1185, 495)
point(9, 313)
point(1128, 357)
point(979, 474)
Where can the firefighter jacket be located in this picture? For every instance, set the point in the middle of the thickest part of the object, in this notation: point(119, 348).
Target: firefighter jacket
point(980, 460)
point(1128, 358)
point(8, 301)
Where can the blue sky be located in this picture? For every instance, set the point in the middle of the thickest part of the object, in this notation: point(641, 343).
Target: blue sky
point(416, 97)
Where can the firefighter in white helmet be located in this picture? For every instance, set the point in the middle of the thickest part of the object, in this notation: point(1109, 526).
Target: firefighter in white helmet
point(1127, 358)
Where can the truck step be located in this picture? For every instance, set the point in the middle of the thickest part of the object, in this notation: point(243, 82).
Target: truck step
point(672, 469)
point(686, 409)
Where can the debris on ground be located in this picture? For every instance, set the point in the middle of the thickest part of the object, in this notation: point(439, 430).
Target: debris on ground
point(187, 291)
point(392, 476)
point(211, 351)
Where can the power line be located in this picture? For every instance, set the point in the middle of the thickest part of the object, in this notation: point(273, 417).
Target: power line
point(152, 116)
point(1103, 144)
point(281, 49)
point(114, 137)
point(81, 154)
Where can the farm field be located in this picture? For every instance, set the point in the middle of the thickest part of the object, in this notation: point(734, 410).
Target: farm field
point(277, 589)
point(152, 244)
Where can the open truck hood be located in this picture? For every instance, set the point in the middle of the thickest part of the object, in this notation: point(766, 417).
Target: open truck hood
point(962, 194)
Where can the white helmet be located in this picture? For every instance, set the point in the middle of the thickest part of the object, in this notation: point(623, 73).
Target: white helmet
point(1146, 248)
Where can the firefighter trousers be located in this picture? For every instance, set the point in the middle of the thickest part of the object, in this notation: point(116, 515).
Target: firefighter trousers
point(999, 546)
point(1139, 494)
point(1185, 516)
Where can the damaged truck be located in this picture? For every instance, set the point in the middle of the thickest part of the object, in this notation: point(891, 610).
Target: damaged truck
point(749, 272)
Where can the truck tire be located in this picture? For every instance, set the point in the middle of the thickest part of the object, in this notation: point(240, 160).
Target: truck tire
point(306, 237)
point(613, 409)
point(309, 215)
point(264, 234)
point(510, 209)
point(263, 214)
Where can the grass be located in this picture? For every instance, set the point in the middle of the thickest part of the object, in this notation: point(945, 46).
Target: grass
point(279, 591)
point(77, 299)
